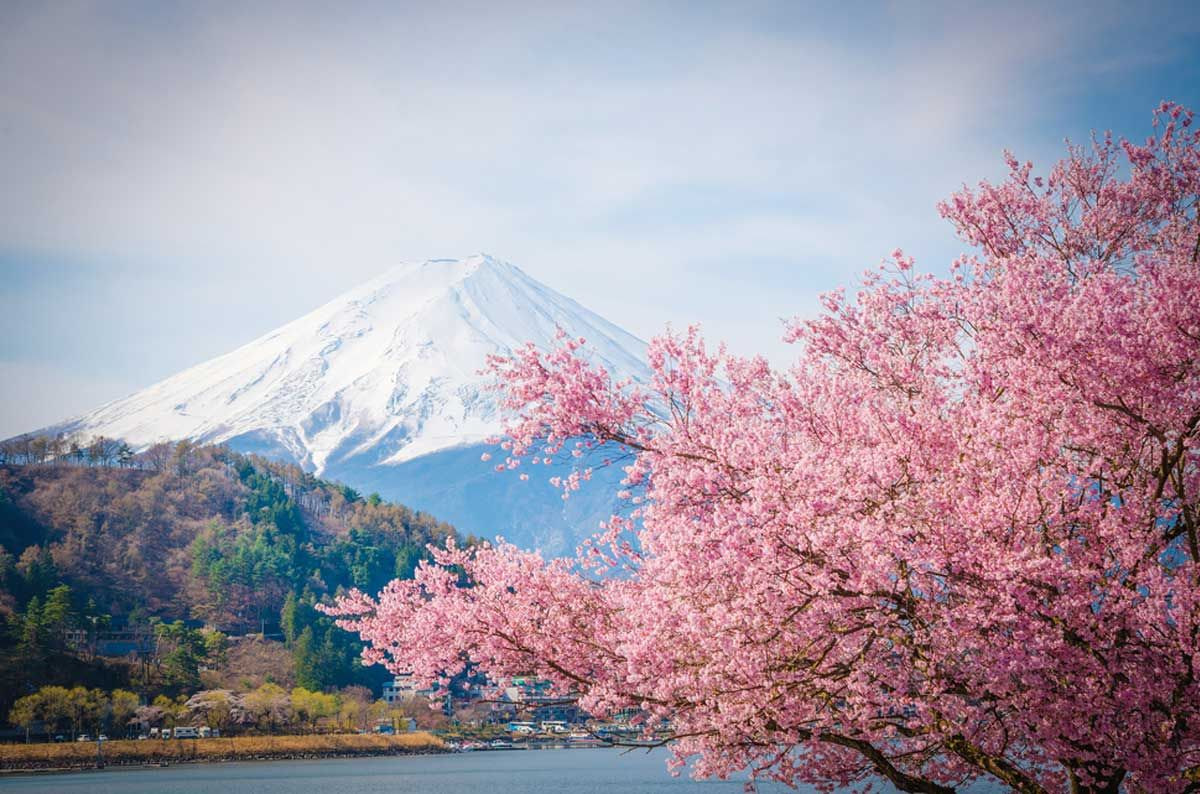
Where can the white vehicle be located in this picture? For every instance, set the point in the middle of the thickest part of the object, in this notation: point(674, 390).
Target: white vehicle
point(186, 732)
point(522, 727)
point(554, 726)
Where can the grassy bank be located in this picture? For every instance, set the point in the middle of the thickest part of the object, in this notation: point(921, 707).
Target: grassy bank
point(241, 748)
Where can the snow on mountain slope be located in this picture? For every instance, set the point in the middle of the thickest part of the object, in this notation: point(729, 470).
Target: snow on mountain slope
point(384, 375)
point(389, 369)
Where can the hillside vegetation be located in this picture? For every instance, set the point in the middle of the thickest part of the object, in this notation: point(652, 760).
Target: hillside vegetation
point(193, 548)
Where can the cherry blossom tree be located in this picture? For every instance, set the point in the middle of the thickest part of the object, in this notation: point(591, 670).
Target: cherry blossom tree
point(956, 540)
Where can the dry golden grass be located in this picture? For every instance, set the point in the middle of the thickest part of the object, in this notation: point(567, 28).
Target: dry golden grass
point(150, 751)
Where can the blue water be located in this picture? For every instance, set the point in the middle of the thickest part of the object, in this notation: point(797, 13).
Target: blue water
point(501, 772)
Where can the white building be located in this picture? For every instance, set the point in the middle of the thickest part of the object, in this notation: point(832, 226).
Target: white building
point(400, 689)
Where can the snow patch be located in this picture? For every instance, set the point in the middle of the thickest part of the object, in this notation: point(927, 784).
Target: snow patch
point(383, 374)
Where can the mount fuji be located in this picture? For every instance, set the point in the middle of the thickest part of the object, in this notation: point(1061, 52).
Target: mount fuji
point(381, 389)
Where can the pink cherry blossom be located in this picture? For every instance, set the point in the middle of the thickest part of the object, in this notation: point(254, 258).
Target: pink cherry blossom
point(956, 540)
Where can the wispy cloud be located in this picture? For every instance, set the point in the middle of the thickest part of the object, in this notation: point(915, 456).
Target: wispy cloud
point(658, 162)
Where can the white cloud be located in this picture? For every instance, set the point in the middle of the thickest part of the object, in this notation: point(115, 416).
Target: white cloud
point(261, 159)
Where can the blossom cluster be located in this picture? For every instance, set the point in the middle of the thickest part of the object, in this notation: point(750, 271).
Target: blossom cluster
point(955, 540)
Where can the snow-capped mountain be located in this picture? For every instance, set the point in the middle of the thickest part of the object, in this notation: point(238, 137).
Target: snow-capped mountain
point(381, 388)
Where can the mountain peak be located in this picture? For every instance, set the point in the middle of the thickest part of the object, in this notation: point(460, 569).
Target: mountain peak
point(381, 388)
point(382, 374)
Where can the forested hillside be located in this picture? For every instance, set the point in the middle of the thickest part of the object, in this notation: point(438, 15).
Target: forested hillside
point(94, 538)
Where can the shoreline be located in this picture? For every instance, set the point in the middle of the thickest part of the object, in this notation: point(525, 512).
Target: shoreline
point(16, 759)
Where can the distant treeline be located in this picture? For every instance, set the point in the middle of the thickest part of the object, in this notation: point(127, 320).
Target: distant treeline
point(94, 535)
point(79, 450)
point(68, 712)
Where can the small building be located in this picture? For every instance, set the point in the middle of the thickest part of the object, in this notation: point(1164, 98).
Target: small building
point(522, 727)
point(118, 638)
point(402, 688)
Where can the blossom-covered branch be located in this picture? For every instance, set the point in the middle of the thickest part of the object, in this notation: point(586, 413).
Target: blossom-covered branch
point(957, 539)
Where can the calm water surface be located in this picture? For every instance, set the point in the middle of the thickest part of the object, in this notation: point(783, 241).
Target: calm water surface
point(499, 772)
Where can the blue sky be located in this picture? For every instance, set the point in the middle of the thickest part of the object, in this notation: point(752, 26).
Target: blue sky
point(178, 179)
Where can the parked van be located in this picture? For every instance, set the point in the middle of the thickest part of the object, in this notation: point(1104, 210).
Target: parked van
point(186, 732)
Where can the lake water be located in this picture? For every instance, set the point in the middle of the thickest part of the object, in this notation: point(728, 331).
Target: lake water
point(498, 772)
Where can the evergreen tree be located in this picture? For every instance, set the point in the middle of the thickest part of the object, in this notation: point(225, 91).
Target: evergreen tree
point(181, 649)
point(288, 618)
point(308, 665)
